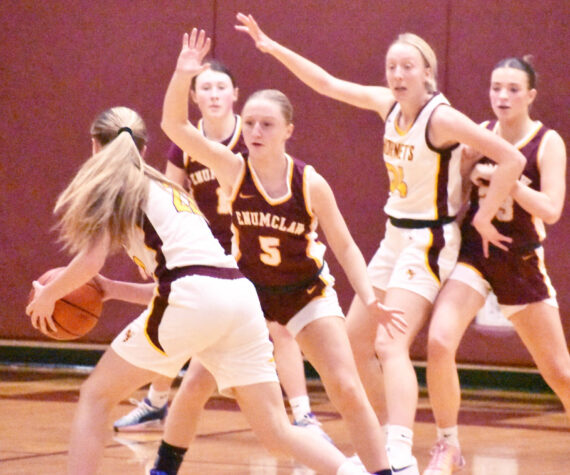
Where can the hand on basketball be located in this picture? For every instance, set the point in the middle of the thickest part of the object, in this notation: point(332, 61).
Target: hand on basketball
point(40, 309)
point(489, 234)
point(250, 26)
point(194, 48)
point(388, 317)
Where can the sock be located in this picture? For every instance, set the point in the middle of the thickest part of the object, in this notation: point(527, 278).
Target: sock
point(300, 406)
point(399, 446)
point(449, 435)
point(157, 398)
point(169, 458)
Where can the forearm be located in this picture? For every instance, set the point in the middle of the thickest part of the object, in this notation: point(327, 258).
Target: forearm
point(536, 203)
point(308, 72)
point(502, 183)
point(82, 268)
point(137, 293)
point(175, 106)
point(354, 267)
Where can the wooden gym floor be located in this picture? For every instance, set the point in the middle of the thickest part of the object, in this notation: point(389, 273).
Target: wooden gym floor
point(503, 433)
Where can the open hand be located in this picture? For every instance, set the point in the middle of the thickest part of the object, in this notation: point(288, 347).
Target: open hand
point(388, 317)
point(250, 26)
point(194, 48)
point(40, 310)
point(489, 234)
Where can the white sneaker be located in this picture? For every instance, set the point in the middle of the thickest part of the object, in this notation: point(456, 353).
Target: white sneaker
point(310, 422)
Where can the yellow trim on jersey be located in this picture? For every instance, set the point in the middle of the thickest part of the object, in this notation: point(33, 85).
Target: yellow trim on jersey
point(525, 140)
point(397, 127)
point(259, 185)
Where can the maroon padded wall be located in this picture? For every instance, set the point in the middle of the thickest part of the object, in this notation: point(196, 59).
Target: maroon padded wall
point(64, 63)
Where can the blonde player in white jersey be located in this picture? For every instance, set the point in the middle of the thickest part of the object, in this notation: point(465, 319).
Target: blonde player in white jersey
point(422, 240)
point(116, 200)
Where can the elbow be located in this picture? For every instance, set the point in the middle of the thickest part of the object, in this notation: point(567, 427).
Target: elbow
point(552, 216)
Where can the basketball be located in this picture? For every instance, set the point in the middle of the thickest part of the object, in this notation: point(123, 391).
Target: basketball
point(78, 312)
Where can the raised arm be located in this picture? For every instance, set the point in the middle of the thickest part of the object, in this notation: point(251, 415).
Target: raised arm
point(324, 206)
point(375, 98)
point(175, 121)
point(448, 126)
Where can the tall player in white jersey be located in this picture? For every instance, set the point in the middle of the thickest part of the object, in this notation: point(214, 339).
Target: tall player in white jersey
point(116, 200)
point(422, 240)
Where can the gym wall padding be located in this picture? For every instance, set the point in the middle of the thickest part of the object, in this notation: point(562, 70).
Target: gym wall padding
point(65, 62)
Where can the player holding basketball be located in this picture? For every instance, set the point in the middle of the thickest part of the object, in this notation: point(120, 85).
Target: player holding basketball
point(277, 202)
point(116, 200)
point(215, 93)
point(421, 242)
point(518, 277)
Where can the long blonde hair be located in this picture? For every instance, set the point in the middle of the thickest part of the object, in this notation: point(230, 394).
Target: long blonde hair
point(109, 190)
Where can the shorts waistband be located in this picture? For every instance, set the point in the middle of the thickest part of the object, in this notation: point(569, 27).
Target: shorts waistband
point(286, 289)
point(420, 223)
point(229, 273)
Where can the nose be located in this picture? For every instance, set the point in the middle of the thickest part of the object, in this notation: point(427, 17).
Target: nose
point(503, 93)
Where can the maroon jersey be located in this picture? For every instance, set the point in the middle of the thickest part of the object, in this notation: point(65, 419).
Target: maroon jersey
point(516, 276)
point(276, 244)
point(205, 187)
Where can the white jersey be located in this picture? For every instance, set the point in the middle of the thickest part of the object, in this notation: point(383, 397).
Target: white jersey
point(175, 234)
point(425, 182)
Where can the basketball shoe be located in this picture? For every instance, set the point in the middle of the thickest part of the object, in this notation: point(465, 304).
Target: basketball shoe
point(445, 459)
point(310, 422)
point(144, 417)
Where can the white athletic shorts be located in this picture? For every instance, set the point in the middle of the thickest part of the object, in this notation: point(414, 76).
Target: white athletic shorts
point(324, 306)
point(472, 277)
point(417, 259)
point(218, 321)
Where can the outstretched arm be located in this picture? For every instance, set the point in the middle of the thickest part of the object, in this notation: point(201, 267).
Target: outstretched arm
point(175, 121)
point(348, 254)
point(375, 98)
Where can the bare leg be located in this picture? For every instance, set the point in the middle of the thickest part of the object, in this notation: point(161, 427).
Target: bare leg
point(112, 380)
point(195, 389)
point(541, 331)
point(162, 383)
point(400, 382)
point(289, 361)
point(262, 405)
point(325, 343)
point(455, 307)
point(362, 334)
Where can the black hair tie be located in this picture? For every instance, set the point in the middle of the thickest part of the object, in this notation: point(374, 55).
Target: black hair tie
point(126, 129)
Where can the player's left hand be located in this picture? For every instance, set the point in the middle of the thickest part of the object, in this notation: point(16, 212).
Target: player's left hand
point(387, 317)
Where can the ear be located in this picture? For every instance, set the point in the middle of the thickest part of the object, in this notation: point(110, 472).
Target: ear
point(143, 151)
point(236, 93)
point(532, 96)
point(95, 146)
point(289, 131)
point(193, 96)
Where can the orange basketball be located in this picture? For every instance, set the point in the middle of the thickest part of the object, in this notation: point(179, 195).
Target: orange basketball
point(78, 312)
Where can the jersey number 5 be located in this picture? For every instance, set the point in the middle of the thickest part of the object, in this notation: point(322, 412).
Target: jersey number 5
point(270, 247)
